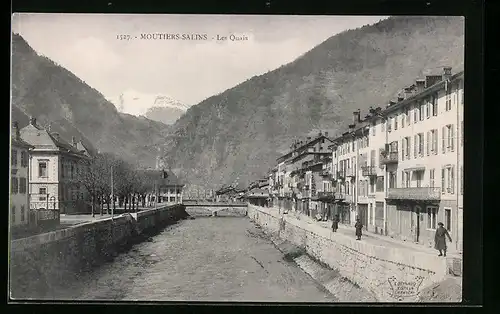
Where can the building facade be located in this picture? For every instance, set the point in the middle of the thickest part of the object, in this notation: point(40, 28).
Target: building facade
point(55, 167)
point(400, 169)
point(19, 179)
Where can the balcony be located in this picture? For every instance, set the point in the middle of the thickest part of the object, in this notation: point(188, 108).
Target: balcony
point(325, 195)
point(325, 173)
point(389, 158)
point(350, 172)
point(369, 171)
point(420, 194)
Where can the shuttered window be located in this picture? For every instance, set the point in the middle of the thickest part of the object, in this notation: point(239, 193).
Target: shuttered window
point(415, 146)
point(443, 136)
point(443, 176)
point(428, 142)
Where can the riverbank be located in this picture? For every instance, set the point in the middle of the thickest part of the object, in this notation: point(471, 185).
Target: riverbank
point(329, 279)
point(44, 260)
point(388, 274)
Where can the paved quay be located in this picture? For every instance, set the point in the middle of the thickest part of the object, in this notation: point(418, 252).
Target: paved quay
point(368, 237)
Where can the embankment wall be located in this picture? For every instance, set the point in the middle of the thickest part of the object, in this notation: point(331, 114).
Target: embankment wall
point(39, 262)
point(379, 270)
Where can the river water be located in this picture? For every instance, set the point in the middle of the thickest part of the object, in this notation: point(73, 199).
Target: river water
point(206, 259)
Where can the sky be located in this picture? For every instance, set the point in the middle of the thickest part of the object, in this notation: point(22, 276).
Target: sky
point(189, 70)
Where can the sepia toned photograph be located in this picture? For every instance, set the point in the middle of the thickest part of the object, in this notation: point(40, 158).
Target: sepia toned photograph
point(236, 158)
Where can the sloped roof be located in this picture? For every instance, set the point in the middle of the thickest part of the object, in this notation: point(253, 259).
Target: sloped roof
point(158, 175)
point(43, 140)
point(20, 143)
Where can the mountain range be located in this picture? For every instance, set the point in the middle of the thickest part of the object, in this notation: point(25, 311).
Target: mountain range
point(157, 107)
point(55, 96)
point(237, 135)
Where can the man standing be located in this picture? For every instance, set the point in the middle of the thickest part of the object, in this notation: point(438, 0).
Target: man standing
point(440, 239)
point(359, 228)
point(335, 223)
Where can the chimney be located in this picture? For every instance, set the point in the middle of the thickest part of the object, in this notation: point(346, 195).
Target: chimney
point(326, 133)
point(319, 134)
point(56, 135)
point(408, 92)
point(32, 120)
point(420, 84)
point(431, 80)
point(73, 141)
point(355, 117)
point(446, 73)
point(359, 115)
point(15, 130)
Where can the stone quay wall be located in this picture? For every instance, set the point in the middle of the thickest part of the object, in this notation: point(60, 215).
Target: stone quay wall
point(226, 211)
point(42, 261)
point(390, 274)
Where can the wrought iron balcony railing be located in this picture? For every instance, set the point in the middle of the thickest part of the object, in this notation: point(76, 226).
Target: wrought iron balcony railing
point(369, 171)
point(326, 195)
point(389, 157)
point(422, 193)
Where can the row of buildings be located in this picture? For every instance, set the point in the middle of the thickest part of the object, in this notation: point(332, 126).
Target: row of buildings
point(45, 177)
point(399, 169)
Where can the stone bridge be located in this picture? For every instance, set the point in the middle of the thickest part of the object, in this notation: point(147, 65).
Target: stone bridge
point(204, 208)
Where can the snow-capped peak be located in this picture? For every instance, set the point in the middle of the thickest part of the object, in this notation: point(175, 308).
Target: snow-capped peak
point(137, 103)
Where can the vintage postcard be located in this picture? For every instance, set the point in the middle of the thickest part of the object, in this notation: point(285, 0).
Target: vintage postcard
point(236, 158)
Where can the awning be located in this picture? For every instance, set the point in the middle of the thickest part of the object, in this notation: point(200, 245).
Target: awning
point(416, 168)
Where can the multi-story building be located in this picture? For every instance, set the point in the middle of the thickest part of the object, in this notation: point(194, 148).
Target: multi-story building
point(55, 167)
point(299, 176)
point(19, 179)
point(165, 185)
point(410, 153)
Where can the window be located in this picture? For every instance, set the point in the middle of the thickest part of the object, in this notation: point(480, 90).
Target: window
point(451, 180)
point(448, 99)
point(447, 219)
point(419, 175)
point(451, 137)
point(372, 158)
point(422, 110)
point(461, 180)
point(43, 194)
point(415, 146)
point(407, 178)
point(13, 214)
point(172, 199)
point(42, 169)
point(382, 126)
point(434, 105)
point(443, 143)
point(431, 217)
point(374, 128)
point(434, 139)
point(23, 213)
point(408, 147)
point(13, 157)
point(14, 185)
point(380, 184)
point(396, 123)
point(404, 116)
point(462, 97)
point(392, 180)
point(420, 144)
point(428, 107)
point(24, 159)
point(462, 133)
point(415, 114)
point(372, 185)
point(432, 174)
point(22, 185)
point(443, 179)
point(389, 125)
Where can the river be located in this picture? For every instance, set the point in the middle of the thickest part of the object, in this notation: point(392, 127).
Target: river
point(206, 259)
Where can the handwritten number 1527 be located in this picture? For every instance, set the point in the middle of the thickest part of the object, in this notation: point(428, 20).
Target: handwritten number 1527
point(123, 37)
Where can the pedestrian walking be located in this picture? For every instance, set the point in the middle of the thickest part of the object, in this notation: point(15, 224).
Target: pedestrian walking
point(335, 223)
point(359, 228)
point(440, 239)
